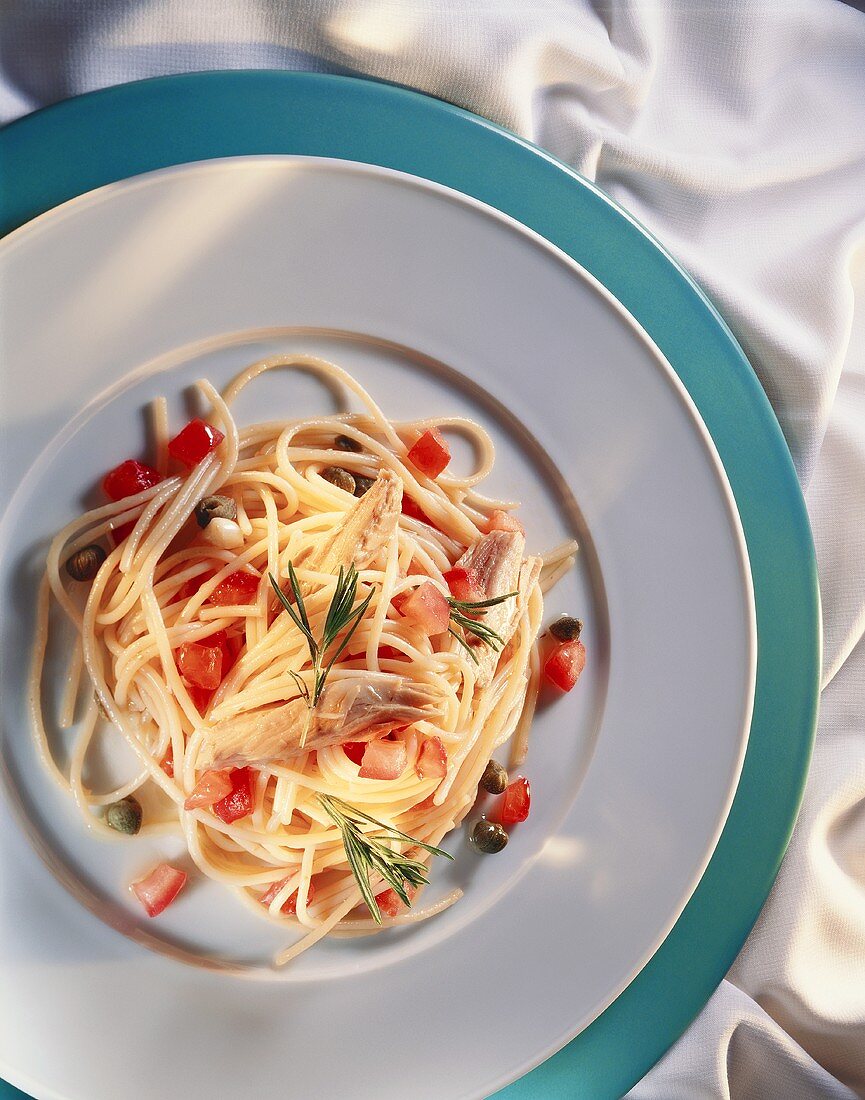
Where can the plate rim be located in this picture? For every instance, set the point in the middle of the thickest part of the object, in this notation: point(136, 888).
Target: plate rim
point(191, 93)
point(163, 361)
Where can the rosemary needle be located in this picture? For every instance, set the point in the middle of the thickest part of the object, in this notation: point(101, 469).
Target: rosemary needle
point(472, 625)
point(341, 616)
point(370, 852)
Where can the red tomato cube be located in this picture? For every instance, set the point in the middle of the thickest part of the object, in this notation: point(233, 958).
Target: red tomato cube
point(414, 511)
point(565, 663)
point(239, 801)
point(167, 763)
point(391, 653)
point(200, 697)
point(464, 584)
point(129, 478)
point(504, 521)
point(200, 664)
point(195, 442)
point(289, 906)
point(121, 532)
point(432, 761)
point(383, 760)
point(516, 801)
point(398, 601)
point(237, 588)
point(430, 454)
point(389, 903)
point(354, 750)
point(191, 587)
point(428, 609)
point(159, 889)
point(211, 787)
point(228, 647)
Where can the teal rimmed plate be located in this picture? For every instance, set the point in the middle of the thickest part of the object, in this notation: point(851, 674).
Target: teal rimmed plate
point(77, 146)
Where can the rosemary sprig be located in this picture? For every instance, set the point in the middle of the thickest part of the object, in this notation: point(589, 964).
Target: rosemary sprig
point(369, 853)
point(341, 616)
point(472, 624)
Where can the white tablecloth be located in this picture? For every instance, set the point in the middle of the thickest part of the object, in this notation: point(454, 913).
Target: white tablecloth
point(736, 132)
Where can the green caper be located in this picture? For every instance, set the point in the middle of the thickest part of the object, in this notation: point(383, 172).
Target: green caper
point(489, 837)
point(495, 778)
point(84, 564)
point(362, 484)
point(339, 477)
point(566, 629)
point(346, 443)
point(215, 507)
point(124, 816)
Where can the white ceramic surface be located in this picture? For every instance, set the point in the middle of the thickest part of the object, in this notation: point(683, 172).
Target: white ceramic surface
point(437, 304)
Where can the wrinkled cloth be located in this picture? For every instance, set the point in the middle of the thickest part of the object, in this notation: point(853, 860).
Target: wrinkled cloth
point(736, 133)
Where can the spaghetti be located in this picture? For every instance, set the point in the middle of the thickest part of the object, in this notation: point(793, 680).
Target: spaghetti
point(209, 673)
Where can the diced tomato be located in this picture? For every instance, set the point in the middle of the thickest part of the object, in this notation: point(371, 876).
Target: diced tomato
point(159, 889)
point(430, 453)
point(228, 647)
point(383, 760)
point(565, 663)
point(391, 653)
point(464, 584)
point(191, 587)
point(237, 588)
point(414, 511)
point(428, 609)
point(129, 478)
point(432, 761)
point(398, 601)
point(200, 664)
point(504, 521)
point(385, 653)
point(167, 762)
point(289, 906)
point(516, 801)
point(200, 697)
point(212, 787)
point(389, 902)
point(195, 442)
point(121, 532)
point(427, 804)
point(354, 750)
point(238, 802)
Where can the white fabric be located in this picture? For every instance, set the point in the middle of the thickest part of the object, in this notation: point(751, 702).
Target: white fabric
point(736, 132)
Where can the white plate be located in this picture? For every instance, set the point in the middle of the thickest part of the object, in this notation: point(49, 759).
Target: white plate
point(438, 304)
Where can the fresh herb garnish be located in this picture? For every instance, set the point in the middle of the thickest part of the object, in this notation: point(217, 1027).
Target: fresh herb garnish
point(341, 615)
point(472, 625)
point(369, 853)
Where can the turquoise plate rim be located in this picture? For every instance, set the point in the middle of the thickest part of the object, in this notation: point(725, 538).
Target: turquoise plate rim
point(75, 146)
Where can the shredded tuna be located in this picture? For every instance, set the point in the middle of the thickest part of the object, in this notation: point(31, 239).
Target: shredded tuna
point(355, 707)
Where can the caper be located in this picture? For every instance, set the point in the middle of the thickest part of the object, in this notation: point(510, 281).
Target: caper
point(362, 484)
point(124, 816)
point(339, 477)
point(566, 629)
point(489, 837)
point(346, 443)
point(84, 564)
point(495, 778)
point(215, 507)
